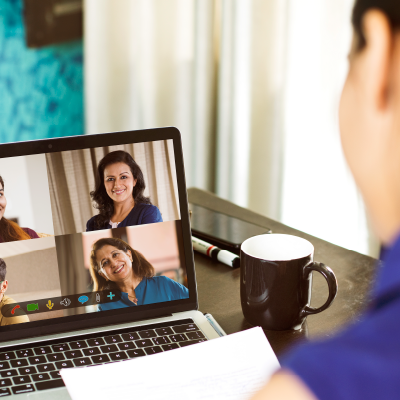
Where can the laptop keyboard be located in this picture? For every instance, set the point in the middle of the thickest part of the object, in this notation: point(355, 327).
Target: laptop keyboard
point(25, 369)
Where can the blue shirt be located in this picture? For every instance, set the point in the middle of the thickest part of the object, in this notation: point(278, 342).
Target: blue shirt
point(150, 290)
point(362, 362)
point(139, 215)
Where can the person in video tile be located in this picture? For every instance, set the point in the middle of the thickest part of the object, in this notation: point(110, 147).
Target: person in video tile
point(114, 265)
point(9, 230)
point(4, 300)
point(119, 194)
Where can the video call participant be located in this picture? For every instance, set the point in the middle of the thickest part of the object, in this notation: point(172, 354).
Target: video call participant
point(363, 361)
point(119, 194)
point(114, 265)
point(7, 300)
point(9, 230)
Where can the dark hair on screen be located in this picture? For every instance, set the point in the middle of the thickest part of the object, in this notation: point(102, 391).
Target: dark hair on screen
point(100, 197)
point(3, 270)
point(141, 267)
point(9, 230)
point(391, 8)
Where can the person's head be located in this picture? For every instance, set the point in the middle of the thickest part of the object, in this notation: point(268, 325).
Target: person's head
point(3, 281)
point(9, 231)
point(3, 200)
point(370, 111)
point(119, 179)
point(112, 261)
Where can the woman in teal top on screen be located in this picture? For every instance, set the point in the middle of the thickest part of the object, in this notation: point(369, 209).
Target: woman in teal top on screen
point(114, 265)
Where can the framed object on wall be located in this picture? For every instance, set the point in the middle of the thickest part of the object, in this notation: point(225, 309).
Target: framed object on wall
point(52, 21)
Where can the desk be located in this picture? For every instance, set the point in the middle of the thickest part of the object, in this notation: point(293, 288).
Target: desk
point(218, 285)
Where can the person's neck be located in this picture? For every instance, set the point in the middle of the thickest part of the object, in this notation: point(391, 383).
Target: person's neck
point(129, 284)
point(122, 209)
point(383, 205)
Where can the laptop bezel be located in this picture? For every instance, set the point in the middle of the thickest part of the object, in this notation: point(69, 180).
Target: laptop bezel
point(104, 318)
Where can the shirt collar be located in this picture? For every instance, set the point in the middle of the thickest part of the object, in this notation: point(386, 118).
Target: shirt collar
point(388, 276)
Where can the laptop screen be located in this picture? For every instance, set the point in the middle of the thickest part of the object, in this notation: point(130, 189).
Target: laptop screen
point(90, 232)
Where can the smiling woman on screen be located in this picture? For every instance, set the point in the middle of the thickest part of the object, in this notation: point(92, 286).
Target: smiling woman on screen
point(119, 194)
point(114, 265)
point(363, 361)
point(9, 230)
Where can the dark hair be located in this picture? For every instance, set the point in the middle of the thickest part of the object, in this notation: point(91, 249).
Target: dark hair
point(9, 230)
point(391, 8)
point(141, 267)
point(100, 197)
point(3, 270)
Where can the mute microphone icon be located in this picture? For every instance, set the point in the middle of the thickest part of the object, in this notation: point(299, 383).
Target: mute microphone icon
point(49, 305)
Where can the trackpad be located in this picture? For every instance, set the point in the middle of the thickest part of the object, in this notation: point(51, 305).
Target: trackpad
point(59, 394)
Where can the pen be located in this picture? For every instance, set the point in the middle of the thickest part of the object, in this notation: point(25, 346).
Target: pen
point(216, 253)
point(215, 325)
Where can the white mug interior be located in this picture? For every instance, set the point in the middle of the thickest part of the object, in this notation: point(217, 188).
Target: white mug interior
point(277, 247)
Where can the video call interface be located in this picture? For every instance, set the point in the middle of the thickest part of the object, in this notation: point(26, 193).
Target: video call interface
point(88, 231)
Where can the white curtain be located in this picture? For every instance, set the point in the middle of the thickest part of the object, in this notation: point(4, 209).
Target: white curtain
point(150, 63)
point(319, 195)
point(253, 86)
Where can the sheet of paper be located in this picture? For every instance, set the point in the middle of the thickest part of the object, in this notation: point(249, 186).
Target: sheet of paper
point(232, 367)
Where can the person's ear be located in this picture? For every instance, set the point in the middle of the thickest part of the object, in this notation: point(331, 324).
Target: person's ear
point(129, 254)
point(134, 182)
point(4, 286)
point(376, 58)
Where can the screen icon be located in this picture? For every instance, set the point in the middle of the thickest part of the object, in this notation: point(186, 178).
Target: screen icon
point(83, 299)
point(98, 297)
point(13, 310)
point(32, 307)
point(49, 305)
point(66, 302)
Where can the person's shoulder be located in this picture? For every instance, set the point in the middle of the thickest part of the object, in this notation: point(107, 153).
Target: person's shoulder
point(146, 207)
point(151, 212)
point(374, 338)
point(164, 281)
point(11, 320)
point(31, 233)
point(91, 220)
point(7, 300)
point(160, 281)
point(143, 213)
point(90, 223)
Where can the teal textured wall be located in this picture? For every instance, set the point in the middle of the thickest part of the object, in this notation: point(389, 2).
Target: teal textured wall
point(41, 90)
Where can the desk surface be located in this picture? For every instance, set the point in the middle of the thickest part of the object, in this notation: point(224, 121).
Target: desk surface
point(218, 285)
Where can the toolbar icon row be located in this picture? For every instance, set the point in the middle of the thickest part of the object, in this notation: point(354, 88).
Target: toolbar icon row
point(59, 303)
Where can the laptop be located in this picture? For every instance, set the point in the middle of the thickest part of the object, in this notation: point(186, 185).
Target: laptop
point(96, 256)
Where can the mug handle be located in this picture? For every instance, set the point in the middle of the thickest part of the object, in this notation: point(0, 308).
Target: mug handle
point(330, 277)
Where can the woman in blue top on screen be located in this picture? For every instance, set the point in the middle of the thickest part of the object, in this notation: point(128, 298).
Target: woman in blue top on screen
point(114, 265)
point(119, 194)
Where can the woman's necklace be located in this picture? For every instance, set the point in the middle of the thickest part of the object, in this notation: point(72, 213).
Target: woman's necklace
point(133, 298)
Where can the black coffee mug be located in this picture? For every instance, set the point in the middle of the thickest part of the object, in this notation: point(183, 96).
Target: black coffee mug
point(276, 281)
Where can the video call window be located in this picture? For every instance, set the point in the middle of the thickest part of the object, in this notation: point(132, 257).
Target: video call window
point(96, 215)
point(115, 186)
point(25, 211)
